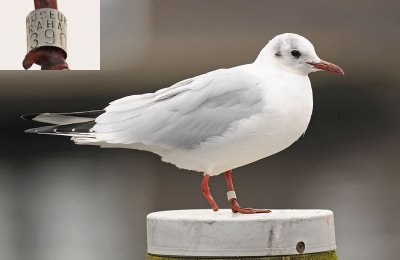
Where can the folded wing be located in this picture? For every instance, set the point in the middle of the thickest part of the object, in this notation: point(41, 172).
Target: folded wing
point(184, 115)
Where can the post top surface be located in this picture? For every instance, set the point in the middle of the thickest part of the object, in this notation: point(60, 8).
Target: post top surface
point(202, 232)
point(228, 215)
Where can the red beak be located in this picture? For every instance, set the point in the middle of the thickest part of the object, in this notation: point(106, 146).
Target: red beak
point(327, 66)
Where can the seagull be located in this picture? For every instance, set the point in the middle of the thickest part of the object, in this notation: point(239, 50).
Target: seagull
point(212, 123)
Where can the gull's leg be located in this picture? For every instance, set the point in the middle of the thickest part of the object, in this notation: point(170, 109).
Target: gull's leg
point(233, 200)
point(206, 192)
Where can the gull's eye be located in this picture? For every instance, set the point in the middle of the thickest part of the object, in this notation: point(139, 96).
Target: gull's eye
point(295, 53)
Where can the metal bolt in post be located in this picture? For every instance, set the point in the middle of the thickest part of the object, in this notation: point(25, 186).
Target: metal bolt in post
point(46, 37)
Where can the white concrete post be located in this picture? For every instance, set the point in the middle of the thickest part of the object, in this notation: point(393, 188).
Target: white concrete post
point(282, 234)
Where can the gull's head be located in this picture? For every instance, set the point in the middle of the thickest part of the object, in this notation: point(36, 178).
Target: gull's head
point(297, 54)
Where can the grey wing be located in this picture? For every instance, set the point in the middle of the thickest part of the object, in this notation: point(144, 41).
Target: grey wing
point(184, 115)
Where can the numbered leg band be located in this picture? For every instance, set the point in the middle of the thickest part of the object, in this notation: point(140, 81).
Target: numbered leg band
point(231, 195)
point(46, 27)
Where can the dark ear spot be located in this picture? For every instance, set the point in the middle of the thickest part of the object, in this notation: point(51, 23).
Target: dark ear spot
point(278, 54)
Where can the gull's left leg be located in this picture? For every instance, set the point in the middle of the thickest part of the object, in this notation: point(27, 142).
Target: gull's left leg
point(206, 192)
point(233, 200)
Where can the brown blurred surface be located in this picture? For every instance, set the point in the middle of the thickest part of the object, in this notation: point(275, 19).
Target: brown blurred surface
point(60, 201)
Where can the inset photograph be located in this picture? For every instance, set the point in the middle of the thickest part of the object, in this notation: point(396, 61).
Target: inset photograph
point(51, 35)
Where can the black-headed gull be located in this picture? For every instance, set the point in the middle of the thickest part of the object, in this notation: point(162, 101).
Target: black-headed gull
point(211, 123)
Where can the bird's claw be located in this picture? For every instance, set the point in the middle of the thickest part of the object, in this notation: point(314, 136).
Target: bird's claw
point(250, 210)
point(237, 209)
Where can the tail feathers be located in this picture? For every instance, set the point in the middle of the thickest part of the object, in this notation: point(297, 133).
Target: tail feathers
point(77, 129)
point(64, 118)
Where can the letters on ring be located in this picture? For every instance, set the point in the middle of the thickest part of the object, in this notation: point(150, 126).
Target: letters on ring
point(46, 27)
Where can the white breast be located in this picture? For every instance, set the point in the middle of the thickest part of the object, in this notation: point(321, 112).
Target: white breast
point(287, 112)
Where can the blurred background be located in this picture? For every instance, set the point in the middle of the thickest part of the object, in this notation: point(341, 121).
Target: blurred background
point(60, 201)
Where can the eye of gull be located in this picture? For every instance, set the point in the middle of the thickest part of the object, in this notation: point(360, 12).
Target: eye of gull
point(295, 53)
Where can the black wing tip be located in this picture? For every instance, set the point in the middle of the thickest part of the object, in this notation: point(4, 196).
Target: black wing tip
point(91, 114)
point(30, 117)
point(78, 128)
point(42, 130)
point(31, 131)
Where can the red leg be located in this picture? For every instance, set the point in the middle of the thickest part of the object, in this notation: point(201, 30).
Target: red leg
point(233, 201)
point(206, 192)
point(50, 58)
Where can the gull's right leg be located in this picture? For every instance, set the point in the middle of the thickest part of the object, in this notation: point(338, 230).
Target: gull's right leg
point(233, 201)
point(206, 192)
